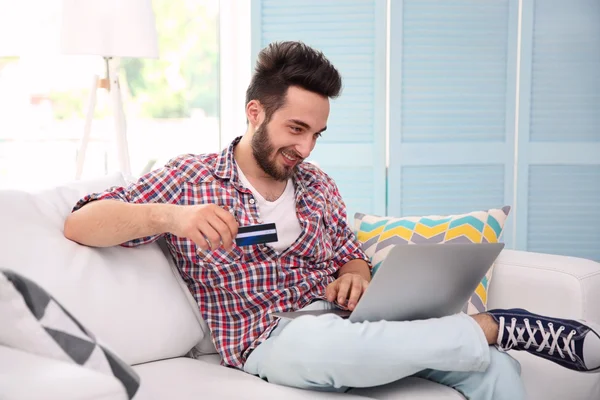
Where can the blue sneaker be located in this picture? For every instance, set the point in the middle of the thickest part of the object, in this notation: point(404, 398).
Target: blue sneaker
point(573, 344)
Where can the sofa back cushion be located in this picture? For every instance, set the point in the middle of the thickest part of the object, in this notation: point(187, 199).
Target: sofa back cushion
point(130, 298)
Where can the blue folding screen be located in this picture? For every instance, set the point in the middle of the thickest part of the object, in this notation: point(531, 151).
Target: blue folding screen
point(452, 106)
point(470, 128)
point(558, 174)
point(351, 33)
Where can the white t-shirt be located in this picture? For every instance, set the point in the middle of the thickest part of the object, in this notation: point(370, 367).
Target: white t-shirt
point(282, 212)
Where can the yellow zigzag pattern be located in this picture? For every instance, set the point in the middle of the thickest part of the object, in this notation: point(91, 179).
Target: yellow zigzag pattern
point(400, 231)
point(490, 234)
point(466, 230)
point(429, 232)
point(364, 236)
point(481, 292)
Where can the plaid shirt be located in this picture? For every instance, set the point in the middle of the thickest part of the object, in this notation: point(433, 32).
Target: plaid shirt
point(238, 290)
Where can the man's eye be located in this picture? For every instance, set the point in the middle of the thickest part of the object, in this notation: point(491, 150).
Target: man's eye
point(318, 135)
point(296, 129)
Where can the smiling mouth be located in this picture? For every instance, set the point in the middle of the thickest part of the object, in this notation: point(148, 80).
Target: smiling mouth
point(290, 157)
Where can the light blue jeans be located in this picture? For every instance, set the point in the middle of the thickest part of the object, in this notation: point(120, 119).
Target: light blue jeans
point(332, 354)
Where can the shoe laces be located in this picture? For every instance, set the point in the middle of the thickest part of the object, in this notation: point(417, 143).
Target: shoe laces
point(550, 337)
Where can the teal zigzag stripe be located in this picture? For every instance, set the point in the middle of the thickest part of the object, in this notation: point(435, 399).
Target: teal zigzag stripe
point(369, 227)
point(493, 223)
point(431, 223)
point(376, 267)
point(404, 223)
point(474, 222)
point(484, 282)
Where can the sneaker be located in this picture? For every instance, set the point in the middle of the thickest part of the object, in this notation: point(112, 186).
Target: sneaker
point(573, 344)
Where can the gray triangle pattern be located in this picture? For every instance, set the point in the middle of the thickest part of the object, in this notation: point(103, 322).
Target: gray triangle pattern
point(465, 308)
point(391, 241)
point(371, 242)
point(123, 372)
point(78, 349)
point(477, 303)
point(35, 297)
point(460, 239)
point(418, 239)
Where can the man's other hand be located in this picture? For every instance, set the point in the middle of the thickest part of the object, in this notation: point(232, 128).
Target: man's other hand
point(347, 290)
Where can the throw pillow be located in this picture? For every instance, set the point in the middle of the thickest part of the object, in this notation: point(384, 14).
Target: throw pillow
point(33, 321)
point(377, 235)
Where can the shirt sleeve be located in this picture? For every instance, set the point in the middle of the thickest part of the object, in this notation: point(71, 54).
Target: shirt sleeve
point(162, 185)
point(346, 245)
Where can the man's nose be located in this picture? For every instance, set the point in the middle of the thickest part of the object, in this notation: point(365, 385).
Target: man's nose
point(305, 148)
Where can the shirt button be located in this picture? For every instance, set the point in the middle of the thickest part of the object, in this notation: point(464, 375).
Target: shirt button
point(252, 201)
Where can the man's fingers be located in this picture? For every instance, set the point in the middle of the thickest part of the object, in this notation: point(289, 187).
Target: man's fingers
point(355, 292)
point(331, 291)
point(228, 219)
point(222, 230)
point(198, 238)
point(211, 235)
point(343, 291)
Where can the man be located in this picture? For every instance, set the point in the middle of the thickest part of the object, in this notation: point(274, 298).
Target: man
point(197, 202)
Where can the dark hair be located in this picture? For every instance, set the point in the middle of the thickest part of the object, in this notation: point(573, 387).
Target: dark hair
point(284, 64)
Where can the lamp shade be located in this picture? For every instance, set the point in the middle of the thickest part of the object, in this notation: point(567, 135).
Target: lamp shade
point(109, 28)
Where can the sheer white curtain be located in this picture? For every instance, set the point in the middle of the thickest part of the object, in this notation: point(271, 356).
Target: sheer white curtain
point(235, 67)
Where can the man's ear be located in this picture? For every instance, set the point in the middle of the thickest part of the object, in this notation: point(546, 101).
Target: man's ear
point(255, 113)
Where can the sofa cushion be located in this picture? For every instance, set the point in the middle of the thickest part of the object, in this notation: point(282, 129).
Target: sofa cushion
point(33, 321)
point(184, 378)
point(128, 297)
point(379, 234)
point(189, 379)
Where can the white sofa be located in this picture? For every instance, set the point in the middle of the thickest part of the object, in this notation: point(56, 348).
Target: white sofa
point(134, 301)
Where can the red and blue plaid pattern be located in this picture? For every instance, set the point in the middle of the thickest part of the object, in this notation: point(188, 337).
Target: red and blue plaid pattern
point(238, 290)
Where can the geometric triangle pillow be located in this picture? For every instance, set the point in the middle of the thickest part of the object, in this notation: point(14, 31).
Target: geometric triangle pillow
point(378, 235)
point(34, 322)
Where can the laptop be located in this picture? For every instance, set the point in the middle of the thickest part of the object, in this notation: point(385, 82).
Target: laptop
point(419, 281)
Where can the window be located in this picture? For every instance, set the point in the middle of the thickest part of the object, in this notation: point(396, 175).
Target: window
point(171, 103)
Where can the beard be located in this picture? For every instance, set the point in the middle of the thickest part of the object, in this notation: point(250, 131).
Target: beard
point(262, 149)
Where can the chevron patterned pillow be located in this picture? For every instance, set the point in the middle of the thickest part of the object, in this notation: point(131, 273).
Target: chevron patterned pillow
point(35, 322)
point(378, 234)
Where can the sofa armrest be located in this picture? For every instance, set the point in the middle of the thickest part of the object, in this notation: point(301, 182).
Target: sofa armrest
point(26, 376)
point(560, 286)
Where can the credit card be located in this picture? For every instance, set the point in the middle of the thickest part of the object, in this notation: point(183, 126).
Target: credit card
point(256, 234)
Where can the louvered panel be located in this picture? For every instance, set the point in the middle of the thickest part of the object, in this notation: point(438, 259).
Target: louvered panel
point(563, 215)
point(558, 187)
point(356, 187)
point(346, 32)
point(454, 70)
point(351, 34)
point(452, 106)
point(447, 189)
point(565, 85)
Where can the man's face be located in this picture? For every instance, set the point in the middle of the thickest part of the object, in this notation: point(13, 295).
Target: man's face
point(291, 134)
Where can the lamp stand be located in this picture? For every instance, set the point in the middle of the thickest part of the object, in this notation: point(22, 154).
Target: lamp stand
point(110, 83)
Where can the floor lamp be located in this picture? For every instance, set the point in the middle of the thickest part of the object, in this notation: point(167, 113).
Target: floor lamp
point(111, 29)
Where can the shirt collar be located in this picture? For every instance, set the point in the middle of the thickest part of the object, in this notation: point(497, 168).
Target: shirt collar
point(225, 168)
